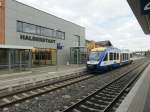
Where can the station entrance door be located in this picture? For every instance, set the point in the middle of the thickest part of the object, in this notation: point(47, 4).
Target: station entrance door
point(78, 55)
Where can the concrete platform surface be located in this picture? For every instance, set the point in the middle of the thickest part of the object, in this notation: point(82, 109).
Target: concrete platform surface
point(38, 74)
point(138, 99)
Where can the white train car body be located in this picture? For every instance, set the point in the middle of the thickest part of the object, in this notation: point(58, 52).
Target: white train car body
point(107, 58)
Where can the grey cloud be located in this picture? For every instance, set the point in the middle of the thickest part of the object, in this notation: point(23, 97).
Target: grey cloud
point(104, 19)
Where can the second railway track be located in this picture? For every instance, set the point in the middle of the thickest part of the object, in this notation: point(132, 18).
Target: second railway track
point(103, 99)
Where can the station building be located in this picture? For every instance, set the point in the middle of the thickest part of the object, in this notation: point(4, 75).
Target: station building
point(30, 37)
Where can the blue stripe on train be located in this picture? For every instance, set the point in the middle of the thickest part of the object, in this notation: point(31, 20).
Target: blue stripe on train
point(116, 65)
point(102, 58)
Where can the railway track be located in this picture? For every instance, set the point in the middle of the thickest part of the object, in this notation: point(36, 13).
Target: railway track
point(20, 96)
point(105, 98)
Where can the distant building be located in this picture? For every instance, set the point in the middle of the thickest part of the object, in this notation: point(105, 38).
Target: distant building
point(92, 44)
point(103, 44)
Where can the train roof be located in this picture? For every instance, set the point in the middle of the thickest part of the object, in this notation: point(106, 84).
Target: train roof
point(110, 49)
point(99, 49)
point(105, 49)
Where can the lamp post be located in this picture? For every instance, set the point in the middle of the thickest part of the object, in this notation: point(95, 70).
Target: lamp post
point(57, 59)
point(55, 35)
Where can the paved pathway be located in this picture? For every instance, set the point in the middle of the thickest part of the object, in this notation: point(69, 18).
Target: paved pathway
point(37, 74)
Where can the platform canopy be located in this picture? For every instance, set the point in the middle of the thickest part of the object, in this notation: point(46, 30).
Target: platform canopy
point(141, 9)
point(15, 47)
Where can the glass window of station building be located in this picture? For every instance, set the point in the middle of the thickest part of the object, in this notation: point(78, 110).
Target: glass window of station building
point(15, 58)
point(39, 30)
point(23, 58)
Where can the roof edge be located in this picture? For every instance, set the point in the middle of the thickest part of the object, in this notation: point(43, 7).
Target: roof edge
point(48, 13)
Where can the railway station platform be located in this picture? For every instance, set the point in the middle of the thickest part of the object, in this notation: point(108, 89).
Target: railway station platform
point(8, 80)
point(138, 99)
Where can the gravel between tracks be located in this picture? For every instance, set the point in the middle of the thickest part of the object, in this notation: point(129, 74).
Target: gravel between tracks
point(54, 101)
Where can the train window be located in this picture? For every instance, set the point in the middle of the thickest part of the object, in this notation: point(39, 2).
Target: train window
point(123, 56)
point(117, 56)
point(106, 57)
point(114, 56)
point(120, 56)
point(94, 56)
point(127, 56)
point(111, 56)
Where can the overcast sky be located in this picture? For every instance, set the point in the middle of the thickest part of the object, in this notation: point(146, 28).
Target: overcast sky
point(103, 19)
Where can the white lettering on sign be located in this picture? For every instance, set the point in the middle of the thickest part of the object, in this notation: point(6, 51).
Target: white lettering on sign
point(147, 7)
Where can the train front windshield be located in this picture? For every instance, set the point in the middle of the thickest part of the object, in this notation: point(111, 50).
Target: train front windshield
point(94, 56)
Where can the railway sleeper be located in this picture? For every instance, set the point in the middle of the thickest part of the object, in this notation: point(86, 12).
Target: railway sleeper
point(104, 99)
point(75, 110)
point(106, 95)
point(29, 93)
point(99, 100)
point(118, 86)
point(110, 89)
point(4, 101)
point(25, 94)
point(111, 92)
point(86, 108)
point(97, 107)
point(95, 104)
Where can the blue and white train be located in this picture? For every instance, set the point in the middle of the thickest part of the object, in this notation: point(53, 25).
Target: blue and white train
point(101, 59)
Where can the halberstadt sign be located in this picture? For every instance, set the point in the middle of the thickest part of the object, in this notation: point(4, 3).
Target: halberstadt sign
point(145, 7)
point(38, 39)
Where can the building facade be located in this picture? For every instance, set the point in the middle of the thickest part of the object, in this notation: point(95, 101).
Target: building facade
point(32, 37)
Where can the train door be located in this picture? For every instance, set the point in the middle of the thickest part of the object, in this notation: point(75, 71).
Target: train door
point(121, 58)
